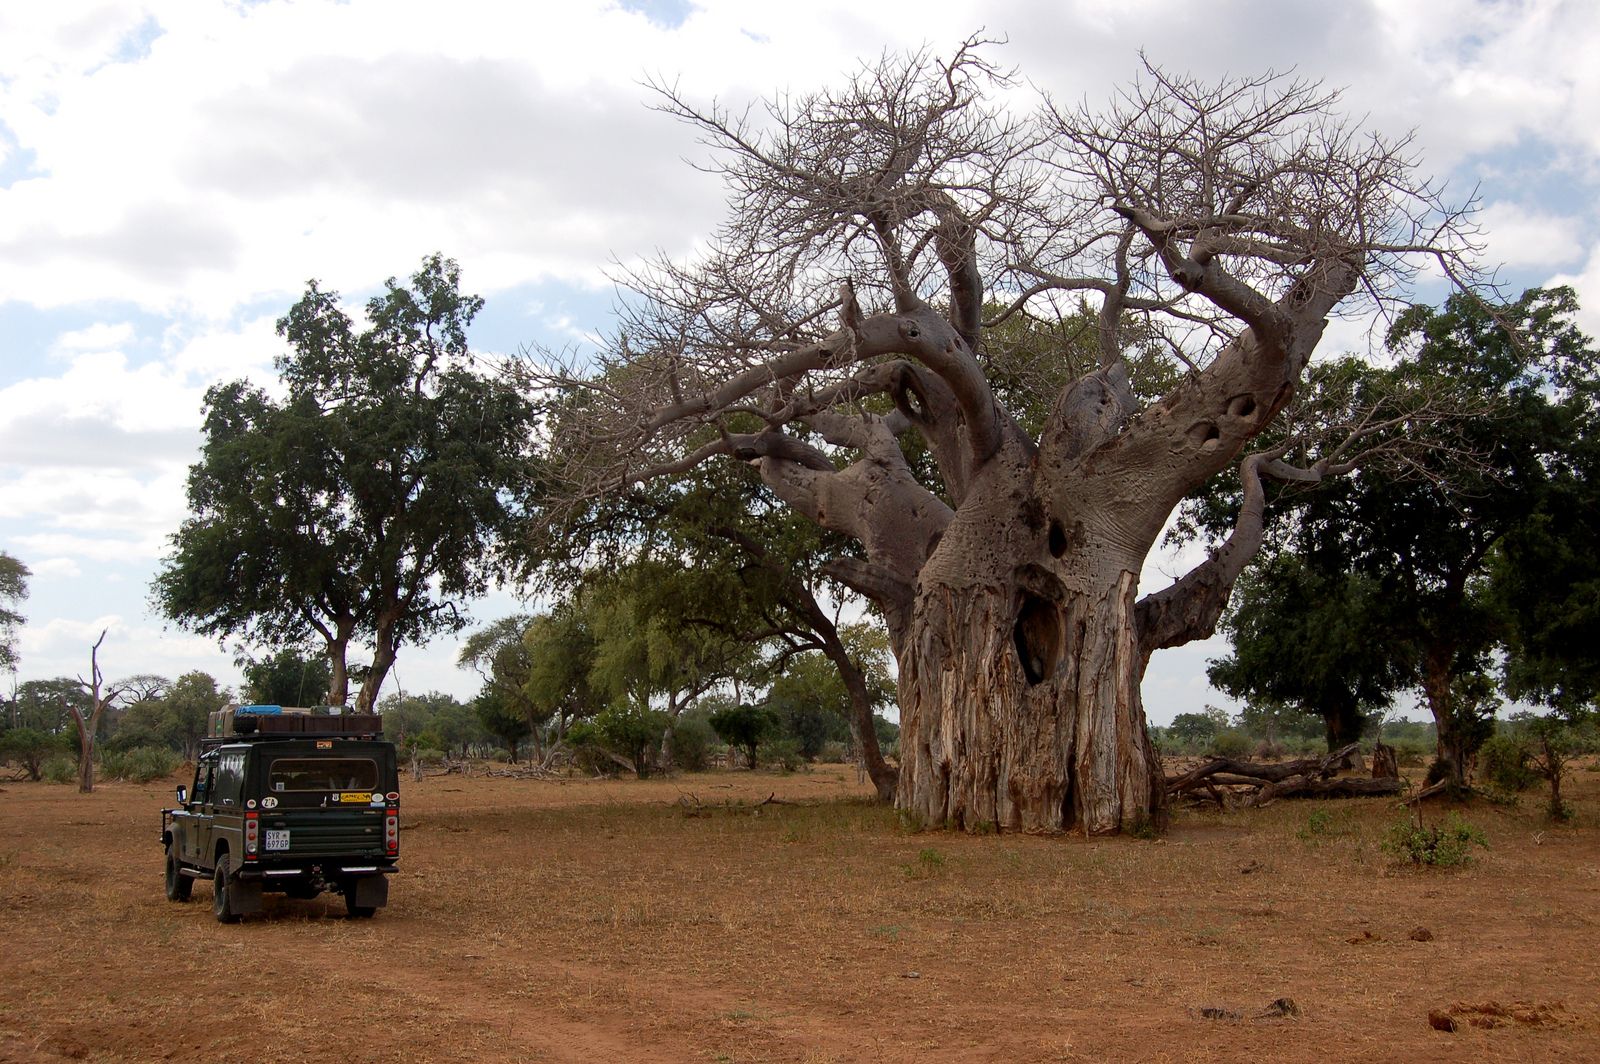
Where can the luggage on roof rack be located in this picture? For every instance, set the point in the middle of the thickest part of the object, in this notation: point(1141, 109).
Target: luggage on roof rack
point(245, 721)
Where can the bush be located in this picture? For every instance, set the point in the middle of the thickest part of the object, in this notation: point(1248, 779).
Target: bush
point(29, 749)
point(1504, 764)
point(1230, 742)
point(783, 753)
point(1267, 750)
point(1440, 847)
point(693, 742)
point(834, 753)
point(60, 769)
point(142, 764)
point(1410, 753)
point(1324, 824)
point(588, 756)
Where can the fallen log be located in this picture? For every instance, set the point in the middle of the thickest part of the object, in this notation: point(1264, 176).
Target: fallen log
point(1258, 773)
point(1339, 787)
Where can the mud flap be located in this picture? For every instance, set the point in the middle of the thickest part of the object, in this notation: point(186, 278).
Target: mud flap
point(372, 890)
point(244, 896)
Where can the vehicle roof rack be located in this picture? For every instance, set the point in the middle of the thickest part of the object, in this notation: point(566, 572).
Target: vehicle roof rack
point(278, 722)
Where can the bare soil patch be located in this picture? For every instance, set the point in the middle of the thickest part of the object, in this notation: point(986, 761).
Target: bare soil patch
point(681, 920)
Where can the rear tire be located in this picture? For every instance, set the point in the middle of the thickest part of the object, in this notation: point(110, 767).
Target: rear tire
point(179, 886)
point(219, 898)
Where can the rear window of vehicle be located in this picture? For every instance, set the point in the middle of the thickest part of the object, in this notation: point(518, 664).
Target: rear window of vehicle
point(289, 774)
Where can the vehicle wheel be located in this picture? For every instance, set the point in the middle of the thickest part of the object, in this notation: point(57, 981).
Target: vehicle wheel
point(354, 911)
point(219, 898)
point(179, 886)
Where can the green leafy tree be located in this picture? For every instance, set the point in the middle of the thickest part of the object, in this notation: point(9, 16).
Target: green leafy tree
point(746, 726)
point(1546, 574)
point(368, 503)
point(1192, 729)
point(499, 654)
point(810, 695)
point(664, 630)
point(189, 703)
point(290, 676)
point(746, 571)
point(1312, 639)
point(1399, 561)
point(560, 687)
point(433, 720)
point(502, 718)
point(13, 589)
point(29, 749)
point(46, 705)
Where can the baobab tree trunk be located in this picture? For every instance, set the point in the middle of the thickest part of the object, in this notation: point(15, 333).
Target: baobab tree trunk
point(1024, 714)
point(1020, 665)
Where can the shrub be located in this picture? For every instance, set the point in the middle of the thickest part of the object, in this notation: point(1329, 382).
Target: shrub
point(1503, 761)
point(1267, 750)
point(693, 741)
point(588, 756)
point(1447, 846)
point(631, 732)
point(929, 863)
point(834, 753)
point(142, 764)
point(1323, 824)
point(1230, 742)
point(29, 749)
point(60, 769)
point(1409, 753)
point(783, 753)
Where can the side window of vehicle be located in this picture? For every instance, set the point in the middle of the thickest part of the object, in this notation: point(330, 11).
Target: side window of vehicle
point(204, 780)
point(230, 776)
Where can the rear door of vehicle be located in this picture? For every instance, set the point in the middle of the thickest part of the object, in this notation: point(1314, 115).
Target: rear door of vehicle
point(322, 803)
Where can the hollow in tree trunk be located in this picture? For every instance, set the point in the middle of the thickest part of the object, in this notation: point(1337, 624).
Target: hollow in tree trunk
point(1023, 713)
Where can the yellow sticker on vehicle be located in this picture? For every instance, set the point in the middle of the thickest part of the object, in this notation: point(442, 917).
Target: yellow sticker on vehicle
point(358, 797)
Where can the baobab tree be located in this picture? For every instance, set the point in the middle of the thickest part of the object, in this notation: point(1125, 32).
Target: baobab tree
point(839, 334)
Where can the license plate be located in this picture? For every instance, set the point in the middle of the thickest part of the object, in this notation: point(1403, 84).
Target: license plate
point(277, 840)
point(355, 797)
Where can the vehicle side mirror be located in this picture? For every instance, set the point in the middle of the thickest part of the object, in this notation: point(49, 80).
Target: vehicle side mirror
point(183, 795)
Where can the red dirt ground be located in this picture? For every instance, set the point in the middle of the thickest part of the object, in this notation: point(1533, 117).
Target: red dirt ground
point(677, 920)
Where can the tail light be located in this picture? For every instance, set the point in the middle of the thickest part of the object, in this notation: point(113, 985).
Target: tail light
point(252, 834)
point(391, 833)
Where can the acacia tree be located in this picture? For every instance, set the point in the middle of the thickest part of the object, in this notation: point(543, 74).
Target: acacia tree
point(369, 502)
point(842, 311)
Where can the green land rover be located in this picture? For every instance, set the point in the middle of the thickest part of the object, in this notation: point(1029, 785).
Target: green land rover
point(288, 802)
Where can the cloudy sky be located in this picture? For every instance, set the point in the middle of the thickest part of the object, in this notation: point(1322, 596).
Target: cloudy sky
point(173, 172)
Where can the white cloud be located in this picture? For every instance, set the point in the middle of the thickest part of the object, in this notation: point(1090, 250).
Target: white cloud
point(1587, 283)
point(1518, 236)
point(56, 568)
point(102, 336)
